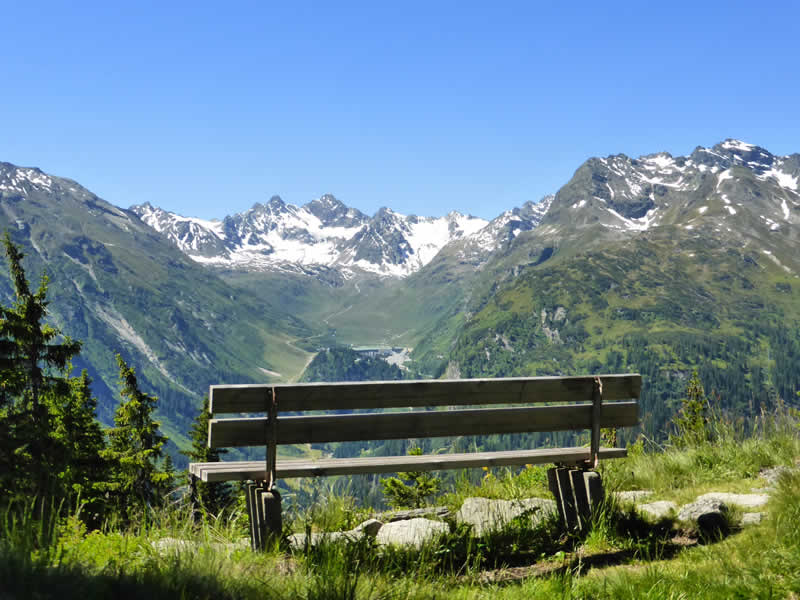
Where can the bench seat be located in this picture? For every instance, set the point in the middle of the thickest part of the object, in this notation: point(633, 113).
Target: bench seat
point(289, 468)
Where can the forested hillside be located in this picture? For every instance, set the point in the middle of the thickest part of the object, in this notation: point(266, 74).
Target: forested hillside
point(661, 306)
point(345, 364)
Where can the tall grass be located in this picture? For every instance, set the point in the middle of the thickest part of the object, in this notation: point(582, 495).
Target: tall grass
point(165, 554)
point(733, 451)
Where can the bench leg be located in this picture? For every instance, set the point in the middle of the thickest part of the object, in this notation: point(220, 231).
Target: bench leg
point(594, 488)
point(577, 494)
point(193, 498)
point(264, 512)
point(271, 510)
point(581, 498)
point(561, 487)
point(252, 496)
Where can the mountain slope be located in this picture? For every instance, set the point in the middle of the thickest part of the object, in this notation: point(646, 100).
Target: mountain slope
point(656, 264)
point(119, 286)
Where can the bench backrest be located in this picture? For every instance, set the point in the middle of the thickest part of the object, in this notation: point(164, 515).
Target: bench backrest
point(572, 403)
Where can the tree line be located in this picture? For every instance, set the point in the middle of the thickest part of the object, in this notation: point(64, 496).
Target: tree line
point(53, 450)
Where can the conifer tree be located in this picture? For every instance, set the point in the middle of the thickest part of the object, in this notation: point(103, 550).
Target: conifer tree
point(81, 442)
point(135, 446)
point(691, 423)
point(211, 497)
point(412, 488)
point(169, 471)
point(34, 360)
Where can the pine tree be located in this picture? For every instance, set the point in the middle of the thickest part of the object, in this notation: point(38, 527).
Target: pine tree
point(81, 443)
point(33, 371)
point(135, 446)
point(410, 489)
point(691, 424)
point(168, 470)
point(211, 497)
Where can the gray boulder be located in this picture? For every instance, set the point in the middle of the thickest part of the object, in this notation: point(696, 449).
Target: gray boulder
point(487, 515)
point(369, 528)
point(170, 545)
point(743, 500)
point(440, 512)
point(410, 532)
point(658, 509)
point(633, 495)
point(752, 518)
point(298, 541)
point(709, 514)
point(773, 474)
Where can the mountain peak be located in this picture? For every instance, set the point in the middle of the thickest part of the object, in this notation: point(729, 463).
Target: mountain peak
point(276, 202)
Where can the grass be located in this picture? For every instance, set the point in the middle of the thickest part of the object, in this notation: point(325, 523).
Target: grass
point(622, 554)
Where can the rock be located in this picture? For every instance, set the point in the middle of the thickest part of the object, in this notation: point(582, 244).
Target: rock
point(773, 474)
point(169, 544)
point(708, 513)
point(752, 518)
point(370, 527)
point(173, 544)
point(633, 495)
point(441, 512)
point(658, 509)
point(297, 541)
point(410, 532)
point(487, 515)
point(743, 500)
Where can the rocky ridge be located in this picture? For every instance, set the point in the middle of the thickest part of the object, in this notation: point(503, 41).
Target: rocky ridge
point(321, 234)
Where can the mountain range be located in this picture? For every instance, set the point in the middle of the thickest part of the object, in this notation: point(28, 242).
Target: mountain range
point(659, 264)
point(325, 234)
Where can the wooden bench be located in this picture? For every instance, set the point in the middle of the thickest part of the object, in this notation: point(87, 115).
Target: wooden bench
point(539, 404)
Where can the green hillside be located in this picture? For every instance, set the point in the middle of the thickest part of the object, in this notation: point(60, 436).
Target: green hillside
point(662, 305)
point(117, 286)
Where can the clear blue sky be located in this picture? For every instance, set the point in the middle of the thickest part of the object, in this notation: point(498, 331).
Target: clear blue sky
point(207, 108)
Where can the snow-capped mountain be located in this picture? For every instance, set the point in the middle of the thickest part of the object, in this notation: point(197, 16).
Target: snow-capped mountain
point(504, 228)
point(324, 233)
point(731, 180)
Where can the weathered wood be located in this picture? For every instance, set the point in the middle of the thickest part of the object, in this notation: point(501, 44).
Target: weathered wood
point(567, 494)
point(401, 394)
point(597, 410)
point(584, 510)
point(403, 425)
point(272, 441)
point(290, 468)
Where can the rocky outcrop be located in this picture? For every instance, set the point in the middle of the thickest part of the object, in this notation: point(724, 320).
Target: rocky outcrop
point(742, 500)
point(633, 495)
point(412, 533)
point(710, 515)
point(658, 509)
point(485, 515)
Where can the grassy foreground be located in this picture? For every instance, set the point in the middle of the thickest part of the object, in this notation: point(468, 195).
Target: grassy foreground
point(621, 556)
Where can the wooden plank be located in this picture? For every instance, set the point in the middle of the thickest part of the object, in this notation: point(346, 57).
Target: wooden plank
point(437, 392)
point(287, 469)
point(403, 425)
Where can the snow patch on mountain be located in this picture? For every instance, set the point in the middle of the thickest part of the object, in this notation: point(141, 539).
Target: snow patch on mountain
point(632, 195)
point(323, 233)
point(784, 180)
point(507, 226)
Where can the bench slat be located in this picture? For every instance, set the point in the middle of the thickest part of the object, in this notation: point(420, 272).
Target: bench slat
point(403, 425)
point(255, 470)
point(401, 394)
